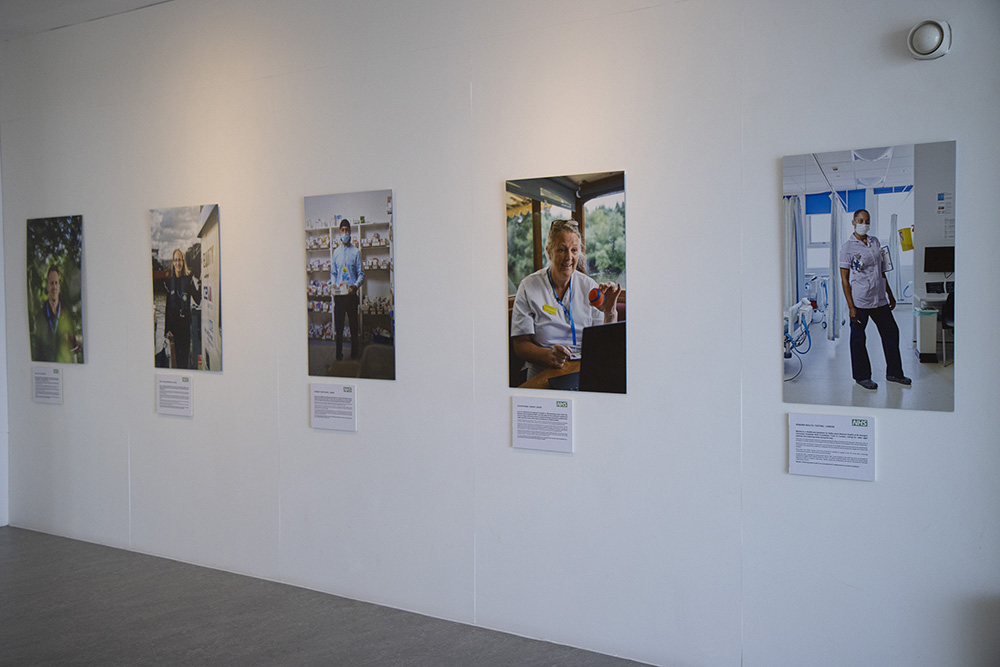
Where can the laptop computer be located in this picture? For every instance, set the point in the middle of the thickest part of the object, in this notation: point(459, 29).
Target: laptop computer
point(602, 362)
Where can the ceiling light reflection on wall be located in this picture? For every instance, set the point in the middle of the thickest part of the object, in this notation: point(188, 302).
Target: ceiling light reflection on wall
point(869, 181)
point(872, 154)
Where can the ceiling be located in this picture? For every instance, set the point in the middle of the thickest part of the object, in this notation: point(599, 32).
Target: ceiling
point(856, 169)
point(19, 18)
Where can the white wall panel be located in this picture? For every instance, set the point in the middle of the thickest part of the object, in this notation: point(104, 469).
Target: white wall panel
point(902, 570)
point(78, 452)
point(4, 477)
point(653, 486)
point(385, 514)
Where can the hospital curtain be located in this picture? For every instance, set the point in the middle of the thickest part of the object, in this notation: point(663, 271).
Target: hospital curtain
point(833, 308)
point(793, 249)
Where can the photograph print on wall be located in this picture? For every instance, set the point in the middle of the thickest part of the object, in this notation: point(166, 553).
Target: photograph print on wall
point(187, 302)
point(566, 282)
point(55, 286)
point(349, 285)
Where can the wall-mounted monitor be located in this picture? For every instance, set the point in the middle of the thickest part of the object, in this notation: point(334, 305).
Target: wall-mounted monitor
point(939, 259)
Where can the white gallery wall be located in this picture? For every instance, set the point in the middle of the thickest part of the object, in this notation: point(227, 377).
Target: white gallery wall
point(673, 534)
point(4, 477)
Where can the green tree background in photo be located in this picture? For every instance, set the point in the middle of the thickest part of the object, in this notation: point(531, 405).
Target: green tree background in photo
point(55, 242)
point(605, 238)
point(605, 232)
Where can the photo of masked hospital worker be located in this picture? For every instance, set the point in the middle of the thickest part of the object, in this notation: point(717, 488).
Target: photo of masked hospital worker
point(869, 235)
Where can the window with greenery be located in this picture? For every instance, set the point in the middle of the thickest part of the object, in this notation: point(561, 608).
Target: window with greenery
point(605, 232)
point(521, 240)
point(597, 199)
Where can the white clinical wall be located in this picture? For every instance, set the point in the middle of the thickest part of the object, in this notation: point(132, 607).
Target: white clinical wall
point(673, 534)
point(933, 209)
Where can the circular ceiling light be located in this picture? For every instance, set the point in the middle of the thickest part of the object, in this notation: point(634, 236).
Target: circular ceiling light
point(872, 154)
point(929, 39)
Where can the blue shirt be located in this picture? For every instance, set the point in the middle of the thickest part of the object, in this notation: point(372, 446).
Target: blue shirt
point(347, 266)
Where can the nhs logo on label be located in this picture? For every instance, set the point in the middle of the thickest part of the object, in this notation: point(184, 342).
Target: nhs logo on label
point(859, 422)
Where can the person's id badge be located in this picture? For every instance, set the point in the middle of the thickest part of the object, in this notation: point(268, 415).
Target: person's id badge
point(549, 309)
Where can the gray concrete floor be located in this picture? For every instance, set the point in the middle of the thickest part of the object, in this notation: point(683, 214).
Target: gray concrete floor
point(65, 602)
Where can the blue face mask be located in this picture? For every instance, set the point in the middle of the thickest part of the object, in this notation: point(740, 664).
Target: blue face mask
point(345, 238)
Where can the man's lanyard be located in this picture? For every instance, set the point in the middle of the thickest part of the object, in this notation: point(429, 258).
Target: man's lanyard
point(48, 316)
point(345, 275)
point(569, 297)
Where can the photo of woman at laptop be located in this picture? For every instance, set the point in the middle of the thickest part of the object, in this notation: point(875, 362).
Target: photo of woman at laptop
point(554, 305)
point(566, 282)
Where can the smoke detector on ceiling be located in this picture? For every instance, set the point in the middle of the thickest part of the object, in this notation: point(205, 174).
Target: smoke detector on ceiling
point(929, 39)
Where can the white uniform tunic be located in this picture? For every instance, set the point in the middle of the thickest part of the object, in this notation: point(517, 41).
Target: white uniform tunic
point(537, 312)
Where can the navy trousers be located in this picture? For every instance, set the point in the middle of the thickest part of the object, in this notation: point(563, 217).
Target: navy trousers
point(861, 366)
